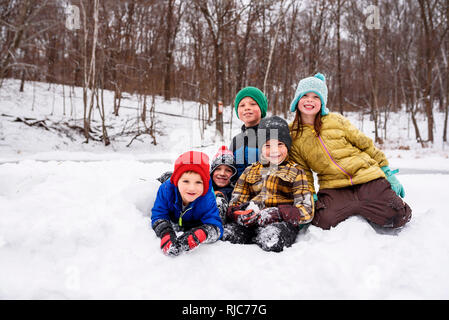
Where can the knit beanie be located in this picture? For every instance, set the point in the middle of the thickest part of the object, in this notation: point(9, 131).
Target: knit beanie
point(192, 161)
point(257, 95)
point(223, 156)
point(315, 84)
point(274, 128)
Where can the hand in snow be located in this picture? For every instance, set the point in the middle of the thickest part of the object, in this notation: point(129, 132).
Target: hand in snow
point(191, 239)
point(246, 217)
point(268, 216)
point(242, 214)
point(290, 214)
point(394, 182)
point(222, 206)
point(169, 244)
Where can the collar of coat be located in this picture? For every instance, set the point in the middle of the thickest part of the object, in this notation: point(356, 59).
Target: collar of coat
point(244, 128)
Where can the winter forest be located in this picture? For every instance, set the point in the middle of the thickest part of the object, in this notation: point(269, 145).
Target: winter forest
point(378, 56)
point(99, 97)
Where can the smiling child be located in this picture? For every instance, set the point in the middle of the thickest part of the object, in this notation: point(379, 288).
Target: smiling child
point(271, 200)
point(186, 203)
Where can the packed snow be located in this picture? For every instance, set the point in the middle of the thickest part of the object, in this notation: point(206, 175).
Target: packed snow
point(75, 218)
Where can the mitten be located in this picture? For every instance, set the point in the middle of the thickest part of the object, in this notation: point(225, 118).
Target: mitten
point(169, 244)
point(164, 230)
point(246, 217)
point(219, 194)
point(290, 213)
point(232, 209)
point(395, 184)
point(192, 239)
point(165, 176)
point(268, 215)
point(222, 205)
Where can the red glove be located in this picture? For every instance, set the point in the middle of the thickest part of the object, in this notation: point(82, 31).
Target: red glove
point(246, 217)
point(168, 244)
point(290, 214)
point(192, 239)
point(268, 216)
point(242, 216)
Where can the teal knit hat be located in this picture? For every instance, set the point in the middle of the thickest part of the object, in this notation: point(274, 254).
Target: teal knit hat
point(315, 84)
point(254, 93)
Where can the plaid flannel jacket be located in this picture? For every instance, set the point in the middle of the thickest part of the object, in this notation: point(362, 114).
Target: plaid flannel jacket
point(273, 186)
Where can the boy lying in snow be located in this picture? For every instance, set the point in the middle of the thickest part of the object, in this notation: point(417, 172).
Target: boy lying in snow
point(222, 173)
point(186, 203)
point(271, 200)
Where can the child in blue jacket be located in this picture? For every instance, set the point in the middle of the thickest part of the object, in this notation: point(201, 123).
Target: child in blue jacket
point(250, 106)
point(186, 203)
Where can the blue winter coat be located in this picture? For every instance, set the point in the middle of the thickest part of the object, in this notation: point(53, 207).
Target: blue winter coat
point(245, 148)
point(168, 206)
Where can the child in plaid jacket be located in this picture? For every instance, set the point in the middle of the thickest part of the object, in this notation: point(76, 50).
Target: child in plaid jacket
point(271, 200)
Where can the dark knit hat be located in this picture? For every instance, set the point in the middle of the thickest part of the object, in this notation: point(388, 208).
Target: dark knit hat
point(223, 156)
point(192, 161)
point(274, 128)
point(257, 95)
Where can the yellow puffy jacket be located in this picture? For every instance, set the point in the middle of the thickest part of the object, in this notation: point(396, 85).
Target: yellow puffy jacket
point(341, 155)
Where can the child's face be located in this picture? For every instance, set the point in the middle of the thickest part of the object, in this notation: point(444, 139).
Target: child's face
point(274, 151)
point(190, 186)
point(309, 104)
point(249, 112)
point(222, 175)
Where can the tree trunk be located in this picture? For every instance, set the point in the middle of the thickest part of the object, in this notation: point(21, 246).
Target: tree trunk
point(219, 87)
point(445, 53)
point(375, 84)
point(427, 63)
point(22, 81)
point(168, 50)
point(22, 25)
point(339, 75)
point(90, 78)
point(446, 111)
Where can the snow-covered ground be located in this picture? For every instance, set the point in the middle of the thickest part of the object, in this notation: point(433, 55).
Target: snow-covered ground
point(77, 225)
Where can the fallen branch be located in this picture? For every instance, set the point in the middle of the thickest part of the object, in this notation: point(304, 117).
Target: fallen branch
point(38, 123)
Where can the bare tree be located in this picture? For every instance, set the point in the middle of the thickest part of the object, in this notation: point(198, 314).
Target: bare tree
point(15, 19)
point(431, 24)
point(173, 18)
point(217, 16)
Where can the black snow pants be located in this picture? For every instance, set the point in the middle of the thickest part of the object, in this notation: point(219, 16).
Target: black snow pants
point(273, 237)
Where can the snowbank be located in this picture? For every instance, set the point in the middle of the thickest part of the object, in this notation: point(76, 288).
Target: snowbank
point(72, 230)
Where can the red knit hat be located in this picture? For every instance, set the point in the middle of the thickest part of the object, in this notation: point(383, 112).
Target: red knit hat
point(192, 161)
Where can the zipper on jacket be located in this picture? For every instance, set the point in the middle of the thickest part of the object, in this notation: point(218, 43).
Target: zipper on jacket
point(333, 161)
point(182, 214)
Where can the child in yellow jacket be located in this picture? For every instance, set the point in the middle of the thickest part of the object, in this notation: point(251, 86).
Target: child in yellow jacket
point(353, 175)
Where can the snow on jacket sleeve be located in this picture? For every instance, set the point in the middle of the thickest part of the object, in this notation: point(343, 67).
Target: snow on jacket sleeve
point(210, 214)
point(364, 143)
point(302, 197)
